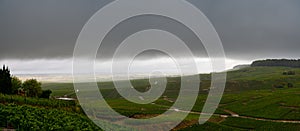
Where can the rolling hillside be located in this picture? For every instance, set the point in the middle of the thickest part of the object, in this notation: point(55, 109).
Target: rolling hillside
point(251, 78)
point(256, 98)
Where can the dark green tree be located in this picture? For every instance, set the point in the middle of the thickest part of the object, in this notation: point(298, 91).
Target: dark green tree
point(32, 88)
point(278, 62)
point(16, 84)
point(46, 94)
point(5, 81)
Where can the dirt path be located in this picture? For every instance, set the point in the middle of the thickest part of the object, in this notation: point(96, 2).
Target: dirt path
point(233, 114)
point(166, 99)
point(270, 120)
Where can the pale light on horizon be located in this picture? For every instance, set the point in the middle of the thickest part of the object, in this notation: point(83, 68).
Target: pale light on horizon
point(64, 66)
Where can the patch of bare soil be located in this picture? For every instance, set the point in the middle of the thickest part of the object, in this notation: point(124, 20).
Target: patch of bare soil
point(216, 119)
point(185, 124)
point(291, 107)
point(144, 116)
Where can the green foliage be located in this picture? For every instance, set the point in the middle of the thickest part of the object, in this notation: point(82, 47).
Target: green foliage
point(280, 85)
point(16, 84)
point(277, 62)
point(32, 88)
point(5, 81)
point(290, 85)
point(278, 104)
point(33, 118)
point(46, 94)
point(47, 103)
point(289, 73)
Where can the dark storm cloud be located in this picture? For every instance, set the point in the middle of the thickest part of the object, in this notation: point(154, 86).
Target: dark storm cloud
point(249, 29)
point(42, 28)
point(256, 28)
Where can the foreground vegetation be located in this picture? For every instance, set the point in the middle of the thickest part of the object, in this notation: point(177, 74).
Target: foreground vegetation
point(35, 118)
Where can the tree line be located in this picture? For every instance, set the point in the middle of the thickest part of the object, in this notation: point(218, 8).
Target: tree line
point(278, 62)
point(12, 85)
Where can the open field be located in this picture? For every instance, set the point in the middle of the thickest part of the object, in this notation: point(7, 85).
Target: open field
point(252, 101)
point(251, 94)
point(252, 78)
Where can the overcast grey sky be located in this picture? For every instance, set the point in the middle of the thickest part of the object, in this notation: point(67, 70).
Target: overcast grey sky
point(249, 29)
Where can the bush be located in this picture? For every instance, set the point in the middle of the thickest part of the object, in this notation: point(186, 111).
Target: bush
point(46, 94)
point(279, 85)
point(32, 87)
point(290, 85)
point(289, 73)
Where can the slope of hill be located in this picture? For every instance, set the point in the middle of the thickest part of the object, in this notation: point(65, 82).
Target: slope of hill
point(250, 78)
point(256, 78)
point(256, 98)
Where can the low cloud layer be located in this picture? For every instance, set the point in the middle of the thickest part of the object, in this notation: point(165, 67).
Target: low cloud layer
point(64, 66)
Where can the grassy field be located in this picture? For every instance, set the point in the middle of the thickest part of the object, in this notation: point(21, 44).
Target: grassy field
point(247, 79)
